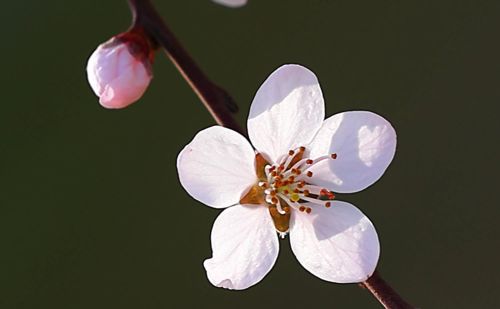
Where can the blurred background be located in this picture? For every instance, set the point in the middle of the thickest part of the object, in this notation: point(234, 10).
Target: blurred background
point(92, 214)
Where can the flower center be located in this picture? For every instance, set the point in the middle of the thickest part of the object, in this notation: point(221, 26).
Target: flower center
point(286, 185)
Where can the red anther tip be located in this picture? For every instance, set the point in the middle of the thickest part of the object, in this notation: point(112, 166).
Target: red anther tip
point(302, 208)
point(302, 148)
point(309, 161)
point(286, 191)
point(334, 156)
point(296, 190)
point(306, 192)
point(291, 152)
point(273, 193)
point(308, 210)
point(328, 204)
point(309, 174)
point(274, 200)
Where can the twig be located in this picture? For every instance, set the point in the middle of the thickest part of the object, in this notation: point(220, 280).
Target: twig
point(216, 100)
point(383, 292)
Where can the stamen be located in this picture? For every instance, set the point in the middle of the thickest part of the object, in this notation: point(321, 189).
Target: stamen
point(263, 184)
point(302, 208)
point(309, 174)
point(280, 210)
point(308, 210)
point(334, 156)
point(328, 204)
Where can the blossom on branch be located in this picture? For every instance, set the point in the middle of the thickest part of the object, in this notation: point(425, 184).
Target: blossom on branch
point(120, 70)
point(286, 183)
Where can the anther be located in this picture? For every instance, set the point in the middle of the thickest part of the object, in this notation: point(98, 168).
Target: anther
point(308, 210)
point(306, 192)
point(328, 204)
point(302, 149)
point(309, 174)
point(291, 153)
point(309, 161)
point(334, 156)
point(263, 184)
point(302, 208)
point(274, 200)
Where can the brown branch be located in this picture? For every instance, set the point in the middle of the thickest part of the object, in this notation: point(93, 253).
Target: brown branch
point(383, 292)
point(216, 100)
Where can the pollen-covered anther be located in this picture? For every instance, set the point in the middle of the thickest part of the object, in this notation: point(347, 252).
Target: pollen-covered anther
point(306, 192)
point(302, 208)
point(328, 204)
point(274, 200)
point(308, 210)
point(309, 161)
point(309, 174)
point(333, 156)
point(291, 153)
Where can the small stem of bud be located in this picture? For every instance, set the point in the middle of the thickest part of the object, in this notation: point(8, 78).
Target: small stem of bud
point(216, 100)
point(383, 292)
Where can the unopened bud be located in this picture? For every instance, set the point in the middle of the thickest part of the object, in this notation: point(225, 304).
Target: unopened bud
point(119, 70)
point(231, 3)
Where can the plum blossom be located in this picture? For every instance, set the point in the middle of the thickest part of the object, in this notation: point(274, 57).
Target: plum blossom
point(286, 183)
point(231, 3)
point(119, 70)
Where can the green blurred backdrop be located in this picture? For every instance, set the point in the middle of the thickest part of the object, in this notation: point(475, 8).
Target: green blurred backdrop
point(92, 214)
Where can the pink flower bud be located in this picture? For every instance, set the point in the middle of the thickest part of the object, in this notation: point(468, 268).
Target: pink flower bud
point(231, 3)
point(119, 70)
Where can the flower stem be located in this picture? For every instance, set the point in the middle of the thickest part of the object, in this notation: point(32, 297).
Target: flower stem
point(383, 292)
point(216, 100)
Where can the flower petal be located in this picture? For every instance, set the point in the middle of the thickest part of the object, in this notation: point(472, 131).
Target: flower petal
point(365, 144)
point(286, 112)
point(337, 244)
point(217, 167)
point(245, 247)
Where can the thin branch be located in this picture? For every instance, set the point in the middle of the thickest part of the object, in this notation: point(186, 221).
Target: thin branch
point(216, 100)
point(383, 292)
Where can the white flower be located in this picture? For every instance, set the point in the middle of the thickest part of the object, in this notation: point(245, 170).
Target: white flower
point(231, 3)
point(287, 184)
point(119, 71)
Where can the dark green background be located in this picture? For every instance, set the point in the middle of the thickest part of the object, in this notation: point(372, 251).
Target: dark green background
point(92, 214)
